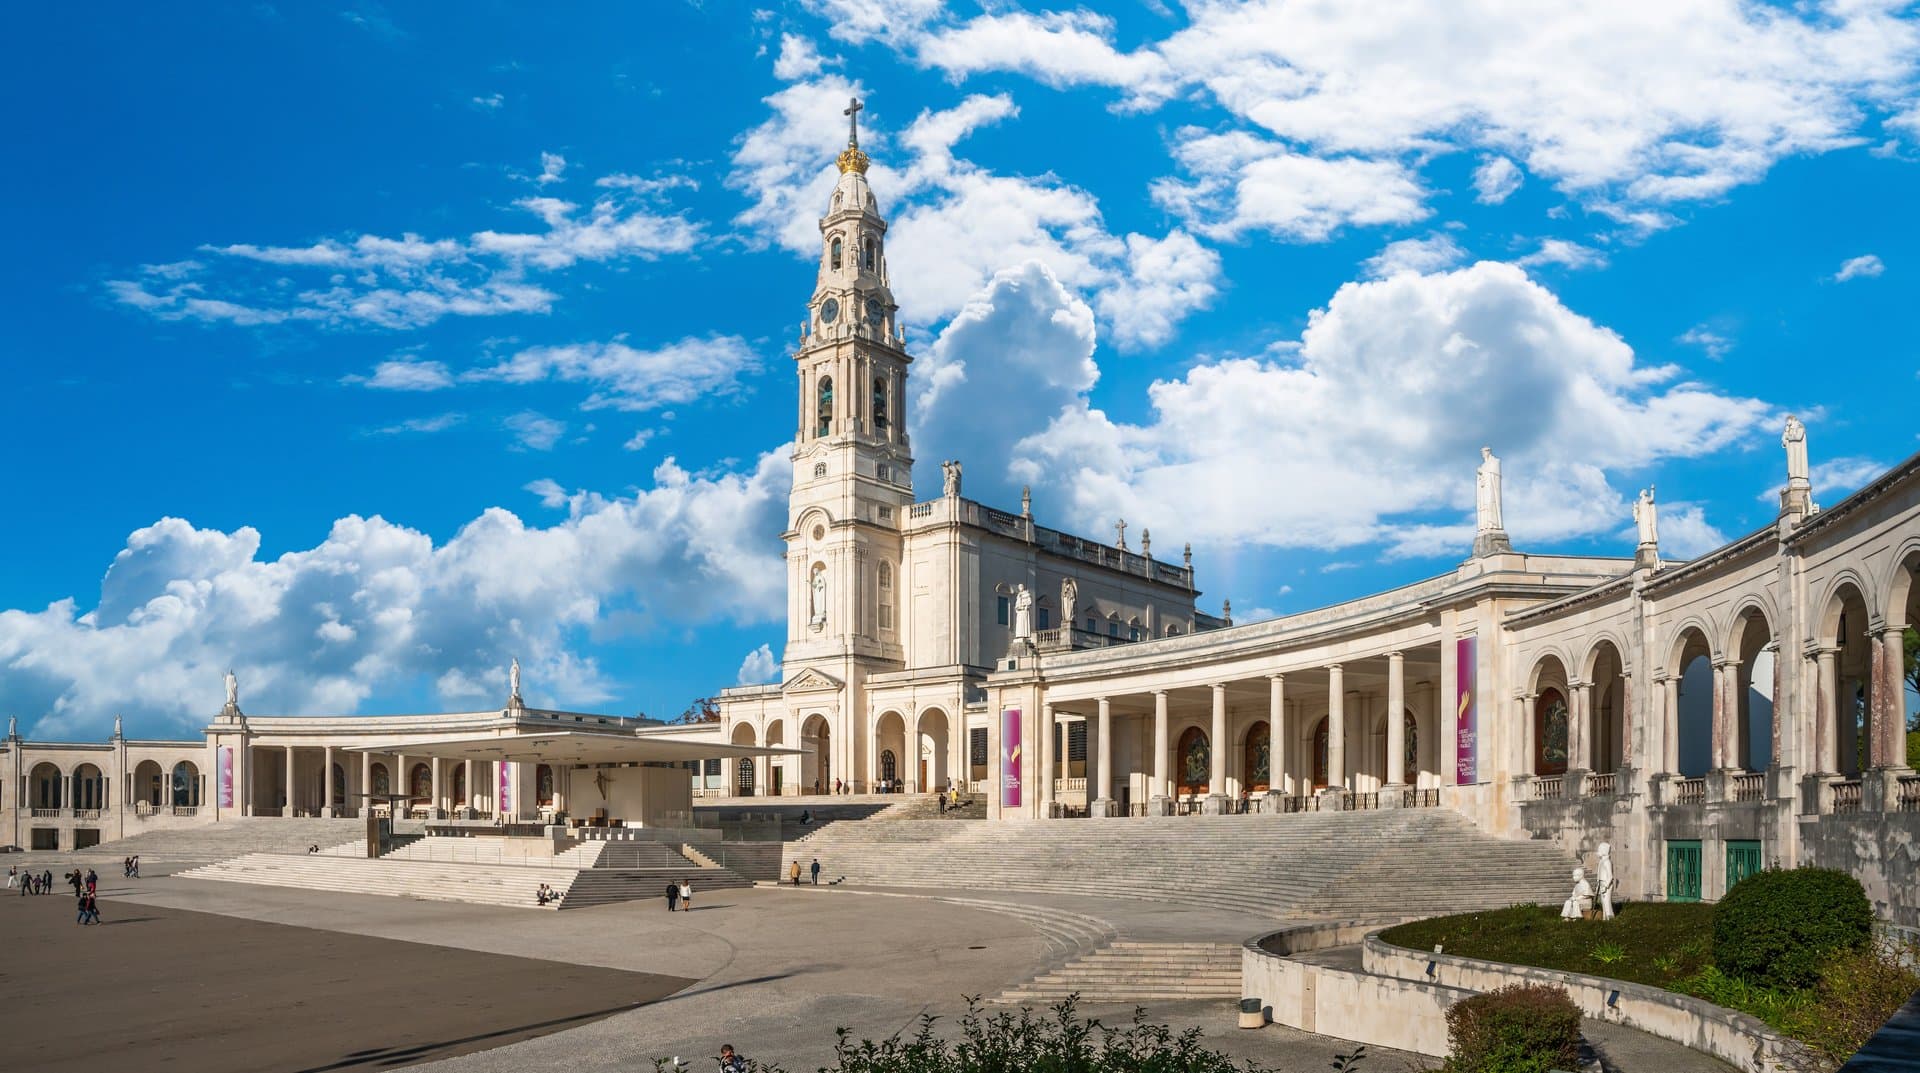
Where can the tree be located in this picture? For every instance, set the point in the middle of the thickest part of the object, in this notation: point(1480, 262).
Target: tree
point(701, 710)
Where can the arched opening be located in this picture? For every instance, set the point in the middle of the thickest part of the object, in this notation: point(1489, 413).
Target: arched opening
point(779, 777)
point(823, 408)
point(420, 784)
point(1852, 680)
point(879, 404)
point(1693, 730)
point(868, 252)
point(743, 782)
point(1320, 740)
point(935, 742)
point(149, 784)
point(382, 779)
point(816, 770)
point(890, 736)
point(1194, 759)
point(889, 769)
point(44, 786)
point(1753, 692)
point(1551, 726)
point(89, 788)
point(459, 787)
point(1606, 715)
point(1904, 610)
point(833, 253)
point(186, 785)
point(1258, 762)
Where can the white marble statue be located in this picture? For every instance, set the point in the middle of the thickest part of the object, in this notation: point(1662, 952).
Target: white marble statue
point(513, 677)
point(950, 478)
point(13, 726)
point(1022, 613)
point(233, 690)
point(1795, 441)
point(1486, 499)
point(1069, 600)
point(116, 726)
point(817, 600)
point(1580, 900)
point(1644, 517)
point(1606, 883)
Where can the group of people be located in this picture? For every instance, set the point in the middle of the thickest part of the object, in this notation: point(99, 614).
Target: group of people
point(795, 872)
point(130, 867)
point(546, 894)
point(680, 896)
point(30, 883)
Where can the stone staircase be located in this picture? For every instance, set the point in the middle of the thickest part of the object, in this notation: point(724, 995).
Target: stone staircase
point(1343, 864)
point(434, 881)
point(175, 848)
point(1137, 971)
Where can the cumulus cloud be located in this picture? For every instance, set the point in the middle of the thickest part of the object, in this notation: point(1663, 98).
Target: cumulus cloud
point(1865, 266)
point(535, 431)
point(553, 168)
point(420, 425)
point(1559, 251)
point(1386, 399)
point(632, 379)
point(406, 374)
point(798, 58)
point(1496, 179)
point(1240, 182)
point(1418, 255)
point(1834, 478)
point(378, 606)
point(759, 667)
point(373, 281)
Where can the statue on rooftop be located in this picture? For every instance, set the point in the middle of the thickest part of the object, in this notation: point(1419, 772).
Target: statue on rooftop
point(233, 690)
point(513, 678)
point(950, 479)
point(1644, 517)
point(1069, 600)
point(1795, 441)
point(1487, 492)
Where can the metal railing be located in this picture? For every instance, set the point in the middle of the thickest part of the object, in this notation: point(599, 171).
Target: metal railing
point(1547, 787)
point(1690, 791)
point(1305, 803)
point(1427, 798)
point(1353, 802)
point(1602, 784)
point(1751, 786)
point(1846, 797)
point(1906, 797)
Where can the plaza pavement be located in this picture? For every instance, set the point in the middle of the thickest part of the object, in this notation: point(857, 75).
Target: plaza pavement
point(776, 971)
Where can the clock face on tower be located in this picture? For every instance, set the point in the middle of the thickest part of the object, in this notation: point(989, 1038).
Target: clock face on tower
point(830, 310)
point(875, 312)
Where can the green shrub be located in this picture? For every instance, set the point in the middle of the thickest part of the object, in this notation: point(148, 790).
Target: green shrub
point(1775, 928)
point(1525, 1028)
point(1857, 992)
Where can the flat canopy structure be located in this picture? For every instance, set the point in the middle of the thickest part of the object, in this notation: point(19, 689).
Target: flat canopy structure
point(567, 747)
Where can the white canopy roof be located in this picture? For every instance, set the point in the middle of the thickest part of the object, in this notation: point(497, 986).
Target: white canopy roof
point(528, 745)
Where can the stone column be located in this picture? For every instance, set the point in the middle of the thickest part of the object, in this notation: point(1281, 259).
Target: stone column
point(1396, 772)
point(1670, 726)
point(471, 791)
point(1046, 762)
point(366, 782)
point(1826, 756)
point(1217, 754)
point(326, 781)
point(1626, 722)
point(1336, 729)
point(402, 784)
point(1721, 752)
point(433, 807)
point(1277, 734)
point(1523, 766)
point(1580, 726)
point(287, 809)
point(1103, 805)
point(1886, 704)
point(1159, 801)
point(1448, 753)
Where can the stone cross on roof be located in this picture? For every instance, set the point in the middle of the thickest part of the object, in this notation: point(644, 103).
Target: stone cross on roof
point(853, 122)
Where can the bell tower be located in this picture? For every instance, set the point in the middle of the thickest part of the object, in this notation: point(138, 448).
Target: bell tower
point(852, 467)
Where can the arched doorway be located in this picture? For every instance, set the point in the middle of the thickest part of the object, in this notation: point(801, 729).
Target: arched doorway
point(89, 788)
point(935, 741)
point(816, 771)
point(889, 769)
point(186, 785)
point(382, 780)
point(150, 784)
point(1257, 763)
point(1194, 762)
point(1551, 725)
point(890, 736)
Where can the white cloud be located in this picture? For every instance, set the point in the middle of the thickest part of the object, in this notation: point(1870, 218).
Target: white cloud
point(1559, 251)
point(534, 431)
point(491, 102)
point(1057, 48)
point(1833, 479)
point(798, 59)
point(1417, 255)
point(405, 374)
point(857, 21)
point(410, 281)
point(1496, 179)
point(1241, 182)
point(1865, 266)
point(553, 168)
point(421, 426)
point(1393, 388)
point(759, 667)
point(1715, 344)
point(1164, 280)
point(626, 378)
point(639, 439)
point(379, 607)
point(1684, 531)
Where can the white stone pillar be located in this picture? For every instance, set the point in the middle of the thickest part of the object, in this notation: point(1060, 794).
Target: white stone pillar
point(1670, 727)
point(1103, 805)
point(1277, 734)
point(402, 784)
point(1396, 721)
point(326, 781)
point(1159, 803)
point(1336, 728)
point(366, 781)
point(1047, 762)
point(472, 791)
point(1887, 700)
point(287, 809)
point(1826, 747)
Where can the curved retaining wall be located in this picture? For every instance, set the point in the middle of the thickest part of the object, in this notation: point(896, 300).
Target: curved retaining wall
point(1399, 998)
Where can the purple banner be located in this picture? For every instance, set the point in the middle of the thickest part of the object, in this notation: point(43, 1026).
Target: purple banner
point(503, 775)
point(1010, 758)
point(1466, 766)
point(226, 776)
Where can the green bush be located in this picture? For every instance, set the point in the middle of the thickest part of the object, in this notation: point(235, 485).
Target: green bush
point(1525, 1028)
point(1857, 992)
point(1775, 928)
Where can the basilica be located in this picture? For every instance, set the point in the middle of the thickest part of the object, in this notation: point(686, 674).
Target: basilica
point(1706, 718)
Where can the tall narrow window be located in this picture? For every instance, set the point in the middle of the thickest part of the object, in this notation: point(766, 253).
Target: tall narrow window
point(1000, 610)
point(824, 411)
point(866, 253)
point(879, 402)
point(886, 596)
point(833, 258)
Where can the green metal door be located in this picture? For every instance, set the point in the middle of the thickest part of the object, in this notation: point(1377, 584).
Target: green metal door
point(1683, 870)
point(1743, 859)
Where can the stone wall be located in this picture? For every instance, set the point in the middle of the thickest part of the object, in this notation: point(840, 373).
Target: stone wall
point(1882, 850)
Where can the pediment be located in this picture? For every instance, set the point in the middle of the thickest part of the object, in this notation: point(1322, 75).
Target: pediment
point(812, 681)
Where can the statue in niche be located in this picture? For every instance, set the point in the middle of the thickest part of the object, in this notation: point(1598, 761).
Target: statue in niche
point(1022, 613)
point(1606, 881)
point(1487, 491)
point(1580, 902)
point(1644, 517)
point(817, 598)
point(1795, 441)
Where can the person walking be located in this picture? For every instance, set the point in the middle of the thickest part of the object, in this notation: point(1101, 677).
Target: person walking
point(136, 866)
point(816, 871)
point(46, 882)
point(794, 872)
point(79, 882)
point(686, 895)
point(93, 881)
point(673, 895)
point(13, 876)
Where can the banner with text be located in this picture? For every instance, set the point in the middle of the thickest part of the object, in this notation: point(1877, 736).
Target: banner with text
point(503, 774)
point(1466, 767)
point(226, 776)
point(1010, 758)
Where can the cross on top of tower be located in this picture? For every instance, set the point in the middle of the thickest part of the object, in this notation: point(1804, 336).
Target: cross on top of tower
point(853, 122)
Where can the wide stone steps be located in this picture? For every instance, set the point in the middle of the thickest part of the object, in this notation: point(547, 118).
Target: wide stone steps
point(638, 854)
point(604, 886)
point(1133, 971)
point(482, 884)
point(174, 848)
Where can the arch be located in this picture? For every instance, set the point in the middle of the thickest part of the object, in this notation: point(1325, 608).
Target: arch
point(46, 785)
point(381, 777)
point(1193, 763)
point(150, 784)
point(1846, 580)
point(1606, 676)
point(420, 782)
point(1903, 595)
point(459, 795)
point(1692, 663)
point(1753, 645)
point(889, 767)
point(823, 407)
point(744, 777)
point(1844, 621)
point(816, 767)
point(1552, 725)
point(868, 252)
point(880, 394)
point(1549, 669)
point(89, 787)
point(1693, 631)
point(1257, 762)
point(889, 736)
point(934, 735)
point(1597, 649)
point(833, 252)
point(186, 785)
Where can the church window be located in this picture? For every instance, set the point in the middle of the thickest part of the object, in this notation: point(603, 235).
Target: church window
point(833, 258)
point(977, 747)
point(1173, 631)
point(824, 411)
point(886, 596)
point(1077, 742)
point(884, 472)
point(879, 403)
point(420, 783)
point(1133, 630)
point(866, 253)
point(1259, 759)
point(744, 783)
point(1113, 629)
point(1042, 621)
point(889, 765)
point(1001, 607)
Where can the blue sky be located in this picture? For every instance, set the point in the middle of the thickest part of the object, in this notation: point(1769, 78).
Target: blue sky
point(363, 348)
